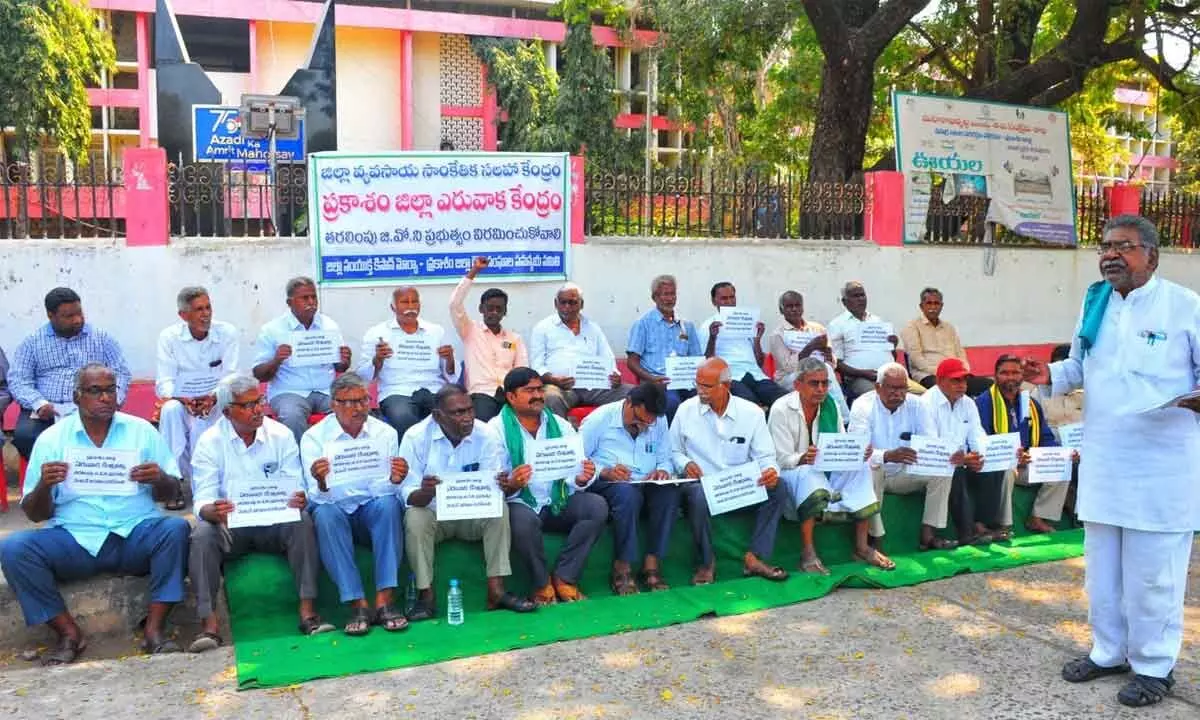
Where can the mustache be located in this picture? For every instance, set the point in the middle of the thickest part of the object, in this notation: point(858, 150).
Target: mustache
point(1113, 264)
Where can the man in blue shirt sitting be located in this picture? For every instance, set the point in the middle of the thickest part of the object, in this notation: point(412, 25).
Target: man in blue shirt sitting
point(660, 334)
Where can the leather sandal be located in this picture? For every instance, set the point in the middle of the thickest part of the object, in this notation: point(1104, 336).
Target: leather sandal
point(66, 652)
point(1144, 690)
point(653, 580)
point(565, 591)
point(509, 601)
point(621, 582)
point(1082, 669)
point(545, 595)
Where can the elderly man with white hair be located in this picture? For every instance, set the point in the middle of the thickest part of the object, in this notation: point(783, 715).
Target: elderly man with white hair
point(855, 340)
point(890, 417)
point(560, 342)
point(244, 443)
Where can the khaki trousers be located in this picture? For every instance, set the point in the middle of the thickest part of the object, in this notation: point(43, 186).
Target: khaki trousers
point(937, 496)
point(422, 533)
point(1050, 498)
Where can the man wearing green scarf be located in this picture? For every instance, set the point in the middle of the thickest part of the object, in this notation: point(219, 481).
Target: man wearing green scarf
point(796, 421)
point(536, 503)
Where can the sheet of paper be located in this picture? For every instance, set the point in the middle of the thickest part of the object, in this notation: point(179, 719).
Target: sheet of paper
point(681, 369)
point(1071, 435)
point(261, 499)
point(357, 463)
point(555, 459)
point(195, 383)
point(61, 410)
point(668, 481)
point(797, 340)
point(1000, 452)
point(97, 471)
point(874, 336)
point(468, 496)
point(933, 456)
point(840, 451)
point(315, 347)
point(734, 488)
point(1174, 402)
point(412, 352)
point(591, 374)
point(739, 322)
point(1049, 464)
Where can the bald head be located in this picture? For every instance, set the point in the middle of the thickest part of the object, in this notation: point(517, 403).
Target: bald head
point(712, 383)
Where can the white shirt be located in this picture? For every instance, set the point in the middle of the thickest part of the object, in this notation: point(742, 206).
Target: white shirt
point(383, 440)
point(178, 351)
point(540, 488)
point(868, 415)
point(959, 424)
point(395, 379)
point(222, 455)
point(429, 452)
point(844, 331)
point(554, 348)
point(1138, 469)
point(738, 353)
point(289, 378)
point(719, 442)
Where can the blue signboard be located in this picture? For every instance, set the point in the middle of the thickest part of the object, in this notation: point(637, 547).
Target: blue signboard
point(217, 137)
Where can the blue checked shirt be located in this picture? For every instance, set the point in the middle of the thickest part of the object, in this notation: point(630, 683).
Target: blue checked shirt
point(44, 365)
point(654, 340)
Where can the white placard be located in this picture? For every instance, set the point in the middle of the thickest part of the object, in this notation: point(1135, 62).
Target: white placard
point(591, 374)
point(261, 499)
point(1071, 435)
point(555, 459)
point(933, 456)
point(315, 347)
point(1175, 401)
point(1049, 464)
point(356, 462)
point(681, 370)
point(412, 352)
point(668, 481)
point(797, 340)
point(739, 322)
point(195, 383)
point(840, 451)
point(874, 336)
point(734, 488)
point(468, 496)
point(97, 471)
point(1000, 452)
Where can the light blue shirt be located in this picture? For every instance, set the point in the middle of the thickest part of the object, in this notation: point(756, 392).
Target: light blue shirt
point(654, 340)
point(289, 378)
point(313, 446)
point(608, 443)
point(737, 352)
point(91, 518)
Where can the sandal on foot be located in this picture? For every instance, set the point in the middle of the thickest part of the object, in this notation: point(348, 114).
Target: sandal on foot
point(814, 566)
point(1144, 690)
point(765, 571)
point(545, 595)
point(653, 580)
point(938, 543)
point(508, 601)
point(67, 651)
point(390, 619)
point(1002, 535)
point(314, 625)
point(876, 558)
point(1083, 669)
point(159, 646)
point(421, 611)
point(568, 592)
point(359, 623)
point(704, 575)
point(622, 583)
point(205, 641)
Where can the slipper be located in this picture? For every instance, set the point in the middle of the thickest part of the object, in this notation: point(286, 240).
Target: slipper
point(390, 619)
point(622, 583)
point(938, 543)
point(1002, 535)
point(875, 558)
point(314, 625)
point(508, 601)
point(984, 538)
point(1144, 690)
point(359, 623)
point(67, 651)
point(205, 641)
point(420, 611)
point(653, 580)
point(1083, 669)
point(159, 646)
point(568, 592)
point(545, 595)
point(704, 575)
point(765, 571)
point(814, 566)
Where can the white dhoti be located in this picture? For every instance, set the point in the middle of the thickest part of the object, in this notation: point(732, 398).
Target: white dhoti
point(854, 487)
point(180, 430)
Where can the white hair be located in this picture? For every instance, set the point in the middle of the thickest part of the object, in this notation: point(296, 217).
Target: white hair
point(726, 376)
point(569, 286)
point(892, 368)
point(230, 387)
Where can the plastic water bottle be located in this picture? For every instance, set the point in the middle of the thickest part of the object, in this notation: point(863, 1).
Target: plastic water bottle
point(410, 598)
point(454, 608)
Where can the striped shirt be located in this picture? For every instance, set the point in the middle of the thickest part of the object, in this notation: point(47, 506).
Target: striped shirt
point(44, 365)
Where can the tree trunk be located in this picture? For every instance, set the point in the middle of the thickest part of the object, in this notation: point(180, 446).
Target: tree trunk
point(844, 110)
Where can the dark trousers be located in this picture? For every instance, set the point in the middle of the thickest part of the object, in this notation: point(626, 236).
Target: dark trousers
point(976, 385)
point(975, 498)
point(487, 406)
point(674, 398)
point(25, 434)
point(766, 522)
point(403, 412)
point(662, 507)
point(582, 520)
point(624, 507)
point(764, 392)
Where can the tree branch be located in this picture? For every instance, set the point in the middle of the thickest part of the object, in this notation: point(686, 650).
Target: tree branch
point(949, 64)
point(831, 30)
point(886, 24)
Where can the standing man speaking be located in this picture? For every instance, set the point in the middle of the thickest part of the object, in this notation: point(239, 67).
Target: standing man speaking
point(1136, 347)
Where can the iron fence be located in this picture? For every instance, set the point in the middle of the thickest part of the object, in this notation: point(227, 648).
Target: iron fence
point(52, 198)
point(227, 200)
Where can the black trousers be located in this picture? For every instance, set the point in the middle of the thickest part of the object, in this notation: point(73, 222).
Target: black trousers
point(975, 498)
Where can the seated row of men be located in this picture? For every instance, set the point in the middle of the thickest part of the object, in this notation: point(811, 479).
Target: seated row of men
point(632, 458)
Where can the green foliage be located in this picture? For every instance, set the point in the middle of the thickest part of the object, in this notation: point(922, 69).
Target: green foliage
point(50, 51)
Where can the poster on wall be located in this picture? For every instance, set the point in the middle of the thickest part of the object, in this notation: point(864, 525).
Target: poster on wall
point(1019, 157)
point(418, 217)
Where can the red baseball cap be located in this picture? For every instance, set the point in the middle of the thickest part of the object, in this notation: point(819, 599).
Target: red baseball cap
point(951, 368)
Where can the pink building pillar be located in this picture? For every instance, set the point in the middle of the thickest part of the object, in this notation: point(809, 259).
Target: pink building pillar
point(883, 211)
point(1124, 200)
point(406, 90)
point(147, 213)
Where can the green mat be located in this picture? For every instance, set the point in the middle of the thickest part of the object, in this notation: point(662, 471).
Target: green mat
point(271, 653)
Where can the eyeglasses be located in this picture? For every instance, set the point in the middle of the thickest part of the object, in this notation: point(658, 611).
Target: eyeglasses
point(1124, 247)
point(568, 301)
point(249, 404)
point(352, 402)
point(96, 391)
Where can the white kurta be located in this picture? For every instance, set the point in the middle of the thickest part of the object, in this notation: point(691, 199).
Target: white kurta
point(1138, 469)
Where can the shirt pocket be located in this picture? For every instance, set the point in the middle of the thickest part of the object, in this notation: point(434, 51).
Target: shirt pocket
point(734, 452)
point(1153, 352)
